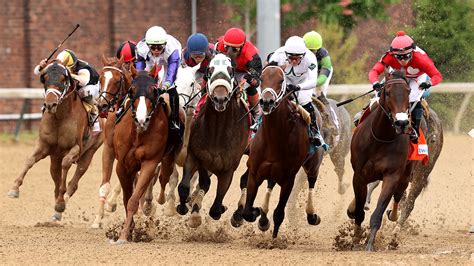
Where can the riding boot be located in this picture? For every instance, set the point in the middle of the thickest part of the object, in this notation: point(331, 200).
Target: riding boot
point(315, 136)
point(255, 109)
point(174, 123)
point(416, 116)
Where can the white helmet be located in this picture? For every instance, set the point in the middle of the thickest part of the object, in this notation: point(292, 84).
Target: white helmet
point(156, 35)
point(295, 45)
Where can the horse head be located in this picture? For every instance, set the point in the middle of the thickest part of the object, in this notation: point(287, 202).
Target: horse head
point(274, 88)
point(56, 80)
point(394, 101)
point(221, 80)
point(144, 95)
point(115, 79)
point(187, 86)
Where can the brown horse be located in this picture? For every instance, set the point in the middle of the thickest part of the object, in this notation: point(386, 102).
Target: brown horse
point(64, 135)
point(115, 80)
point(278, 151)
point(379, 151)
point(217, 142)
point(140, 144)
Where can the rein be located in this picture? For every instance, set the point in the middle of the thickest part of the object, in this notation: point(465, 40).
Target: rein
point(281, 95)
point(60, 95)
point(116, 96)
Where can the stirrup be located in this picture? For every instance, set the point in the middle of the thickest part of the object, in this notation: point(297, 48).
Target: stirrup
point(414, 136)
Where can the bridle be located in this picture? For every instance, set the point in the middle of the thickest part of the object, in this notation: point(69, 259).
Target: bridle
point(153, 98)
point(277, 96)
point(65, 85)
point(116, 96)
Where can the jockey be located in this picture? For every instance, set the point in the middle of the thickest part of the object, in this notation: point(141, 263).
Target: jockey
point(198, 50)
point(247, 63)
point(314, 42)
point(419, 69)
point(162, 49)
point(301, 74)
point(87, 78)
point(127, 51)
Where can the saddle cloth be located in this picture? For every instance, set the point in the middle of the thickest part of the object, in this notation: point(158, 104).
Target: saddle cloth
point(419, 152)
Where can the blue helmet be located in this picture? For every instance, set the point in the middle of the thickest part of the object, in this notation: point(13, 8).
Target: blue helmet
point(198, 44)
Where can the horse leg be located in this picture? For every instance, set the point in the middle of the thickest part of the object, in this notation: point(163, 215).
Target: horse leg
point(388, 186)
point(338, 162)
point(111, 203)
point(40, 151)
point(397, 196)
point(82, 166)
point(71, 156)
point(147, 171)
point(189, 169)
point(147, 205)
point(279, 213)
point(194, 182)
point(311, 216)
point(170, 209)
point(250, 213)
point(236, 220)
point(195, 219)
point(356, 208)
point(167, 169)
point(223, 184)
point(263, 222)
point(55, 170)
point(108, 157)
point(416, 187)
point(371, 187)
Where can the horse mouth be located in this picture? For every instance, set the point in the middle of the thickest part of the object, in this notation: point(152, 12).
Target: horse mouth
point(220, 103)
point(267, 106)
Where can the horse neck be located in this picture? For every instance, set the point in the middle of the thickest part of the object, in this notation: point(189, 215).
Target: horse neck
point(381, 125)
point(279, 124)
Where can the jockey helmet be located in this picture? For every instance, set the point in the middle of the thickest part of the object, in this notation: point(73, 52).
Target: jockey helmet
point(198, 44)
point(127, 51)
point(234, 37)
point(67, 57)
point(313, 40)
point(402, 43)
point(156, 35)
point(295, 46)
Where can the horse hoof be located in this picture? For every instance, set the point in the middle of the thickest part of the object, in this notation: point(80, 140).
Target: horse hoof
point(182, 209)
point(263, 223)
point(170, 211)
point(14, 194)
point(236, 220)
point(195, 220)
point(252, 216)
point(56, 217)
point(118, 242)
point(350, 214)
point(60, 207)
point(389, 216)
point(110, 207)
point(149, 209)
point(342, 189)
point(313, 219)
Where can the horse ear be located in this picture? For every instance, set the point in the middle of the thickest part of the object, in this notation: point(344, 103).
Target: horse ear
point(104, 60)
point(120, 61)
point(133, 70)
point(152, 71)
point(196, 67)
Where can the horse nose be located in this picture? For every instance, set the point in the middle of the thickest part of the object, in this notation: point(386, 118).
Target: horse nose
point(401, 123)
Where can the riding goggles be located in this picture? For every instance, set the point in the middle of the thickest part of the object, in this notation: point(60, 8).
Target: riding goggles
point(156, 47)
point(294, 57)
point(232, 49)
point(402, 56)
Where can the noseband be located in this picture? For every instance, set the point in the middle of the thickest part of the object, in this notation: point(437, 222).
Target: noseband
point(278, 97)
point(65, 85)
point(116, 96)
point(153, 98)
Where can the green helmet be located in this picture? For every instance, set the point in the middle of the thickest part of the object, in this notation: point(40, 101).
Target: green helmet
point(313, 40)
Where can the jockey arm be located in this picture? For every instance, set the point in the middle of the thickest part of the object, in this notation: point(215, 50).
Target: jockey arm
point(140, 64)
point(430, 69)
point(376, 70)
point(326, 67)
point(83, 77)
point(312, 73)
point(254, 67)
point(173, 64)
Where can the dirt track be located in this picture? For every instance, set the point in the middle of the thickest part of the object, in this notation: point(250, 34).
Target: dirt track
point(438, 234)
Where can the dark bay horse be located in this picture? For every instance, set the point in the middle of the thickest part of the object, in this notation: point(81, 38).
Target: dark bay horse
point(419, 178)
point(64, 135)
point(115, 80)
point(379, 151)
point(278, 151)
point(140, 144)
point(217, 141)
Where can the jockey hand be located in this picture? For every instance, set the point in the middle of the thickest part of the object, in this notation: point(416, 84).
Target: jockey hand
point(43, 64)
point(377, 86)
point(293, 88)
point(165, 85)
point(251, 80)
point(425, 85)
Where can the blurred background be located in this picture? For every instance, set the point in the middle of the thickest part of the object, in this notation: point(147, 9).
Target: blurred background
point(355, 32)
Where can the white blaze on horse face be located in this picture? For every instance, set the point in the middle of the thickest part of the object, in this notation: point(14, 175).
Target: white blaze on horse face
point(141, 110)
point(401, 116)
point(108, 76)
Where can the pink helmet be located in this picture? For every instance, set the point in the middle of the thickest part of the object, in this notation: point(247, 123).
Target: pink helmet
point(402, 43)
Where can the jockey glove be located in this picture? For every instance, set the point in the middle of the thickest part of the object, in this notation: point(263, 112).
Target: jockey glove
point(292, 88)
point(251, 80)
point(377, 86)
point(165, 85)
point(425, 85)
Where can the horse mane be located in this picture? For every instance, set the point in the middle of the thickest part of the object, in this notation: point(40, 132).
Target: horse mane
point(395, 74)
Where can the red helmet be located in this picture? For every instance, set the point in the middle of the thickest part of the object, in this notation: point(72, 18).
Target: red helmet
point(127, 51)
point(402, 43)
point(234, 37)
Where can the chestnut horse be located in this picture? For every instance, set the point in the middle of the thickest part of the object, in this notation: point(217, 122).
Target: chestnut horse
point(278, 151)
point(217, 142)
point(64, 135)
point(379, 151)
point(140, 143)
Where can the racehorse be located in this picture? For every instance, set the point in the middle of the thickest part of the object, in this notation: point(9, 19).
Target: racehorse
point(217, 140)
point(420, 176)
point(379, 150)
point(141, 142)
point(64, 135)
point(115, 80)
point(278, 151)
